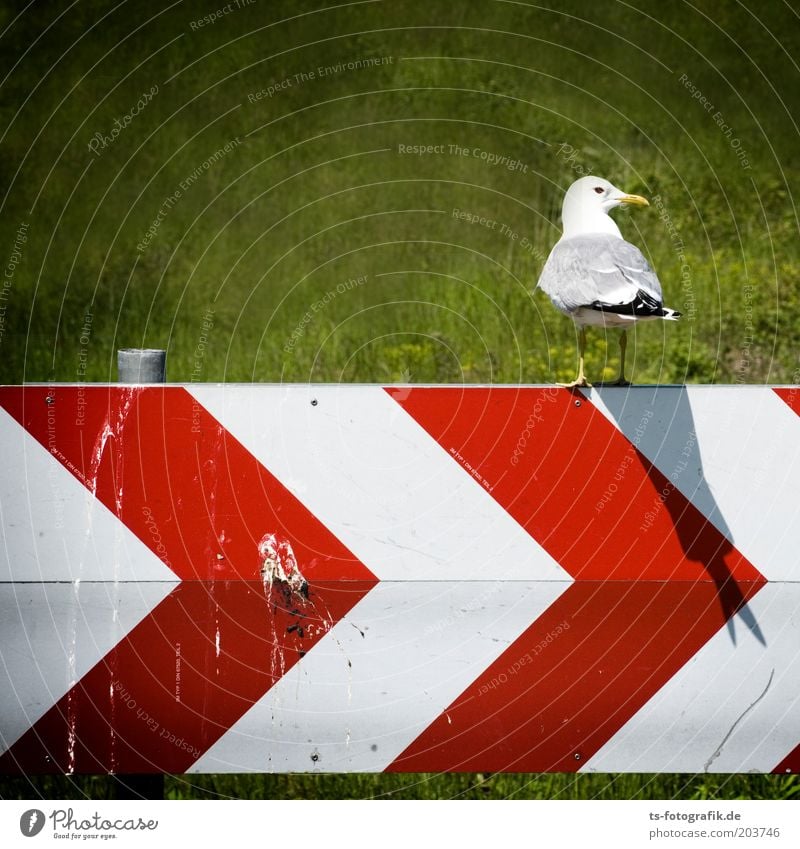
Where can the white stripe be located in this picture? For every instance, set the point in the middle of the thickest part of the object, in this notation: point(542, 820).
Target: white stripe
point(741, 446)
point(379, 482)
point(354, 703)
point(734, 707)
point(54, 529)
point(51, 635)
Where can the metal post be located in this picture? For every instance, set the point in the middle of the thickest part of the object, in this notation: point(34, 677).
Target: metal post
point(140, 365)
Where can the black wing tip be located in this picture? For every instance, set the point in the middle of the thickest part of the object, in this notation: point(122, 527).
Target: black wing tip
point(642, 306)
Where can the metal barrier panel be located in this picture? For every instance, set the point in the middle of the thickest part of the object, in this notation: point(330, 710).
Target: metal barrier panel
point(339, 578)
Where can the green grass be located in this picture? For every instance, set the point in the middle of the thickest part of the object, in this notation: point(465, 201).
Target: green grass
point(318, 193)
point(424, 786)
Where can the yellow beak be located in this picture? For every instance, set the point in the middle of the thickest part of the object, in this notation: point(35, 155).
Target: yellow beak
point(634, 200)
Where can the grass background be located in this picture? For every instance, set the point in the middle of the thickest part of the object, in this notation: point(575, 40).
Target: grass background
point(320, 189)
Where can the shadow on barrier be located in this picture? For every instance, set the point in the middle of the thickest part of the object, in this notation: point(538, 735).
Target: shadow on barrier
point(660, 423)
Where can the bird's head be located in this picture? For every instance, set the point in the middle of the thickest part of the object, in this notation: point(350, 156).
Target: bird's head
point(587, 204)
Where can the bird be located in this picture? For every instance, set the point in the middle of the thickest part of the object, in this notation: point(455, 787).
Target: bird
point(594, 276)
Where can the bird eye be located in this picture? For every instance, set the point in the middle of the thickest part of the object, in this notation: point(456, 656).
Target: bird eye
point(599, 190)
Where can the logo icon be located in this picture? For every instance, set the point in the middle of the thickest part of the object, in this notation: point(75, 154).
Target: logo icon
point(31, 822)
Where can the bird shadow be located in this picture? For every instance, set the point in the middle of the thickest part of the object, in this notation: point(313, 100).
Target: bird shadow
point(659, 421)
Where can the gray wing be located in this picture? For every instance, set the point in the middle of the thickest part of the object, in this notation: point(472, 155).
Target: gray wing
point(584, 270)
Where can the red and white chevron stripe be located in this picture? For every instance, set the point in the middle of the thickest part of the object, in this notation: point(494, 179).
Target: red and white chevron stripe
point(493, 578)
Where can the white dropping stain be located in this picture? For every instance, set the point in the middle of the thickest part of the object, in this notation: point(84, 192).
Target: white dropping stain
point(110, 430)
point(216, 631)
point(278, 563)
point(72, 717)
point(279, 566)
point(71, 732)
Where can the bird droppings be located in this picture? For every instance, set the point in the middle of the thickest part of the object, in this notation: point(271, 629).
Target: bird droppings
point(278, 564)
point(315, 756)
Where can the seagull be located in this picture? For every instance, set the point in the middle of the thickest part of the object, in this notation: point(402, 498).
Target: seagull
point(594, 276)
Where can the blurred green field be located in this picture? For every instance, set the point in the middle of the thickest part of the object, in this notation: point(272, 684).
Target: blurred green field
point(321, 189)
point(265, 213)
point(422, 786)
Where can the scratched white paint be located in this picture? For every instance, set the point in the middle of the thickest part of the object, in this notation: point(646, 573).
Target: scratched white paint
point(734, 707)
point(379, 482)
point(380, 676)
point(741, 453)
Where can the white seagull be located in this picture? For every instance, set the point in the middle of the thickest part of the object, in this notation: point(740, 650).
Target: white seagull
point(593, 275)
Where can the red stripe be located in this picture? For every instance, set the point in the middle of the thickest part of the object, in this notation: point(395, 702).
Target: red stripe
point(790, 396)
point(202, 503)
point(655, 579)
point(576, 484)
point(570, 682)
point(164, 694)
point(171, 472)
point(790, 764)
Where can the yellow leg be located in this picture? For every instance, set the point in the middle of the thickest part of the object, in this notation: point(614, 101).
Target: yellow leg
point(580, 380)
point(623, 346)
